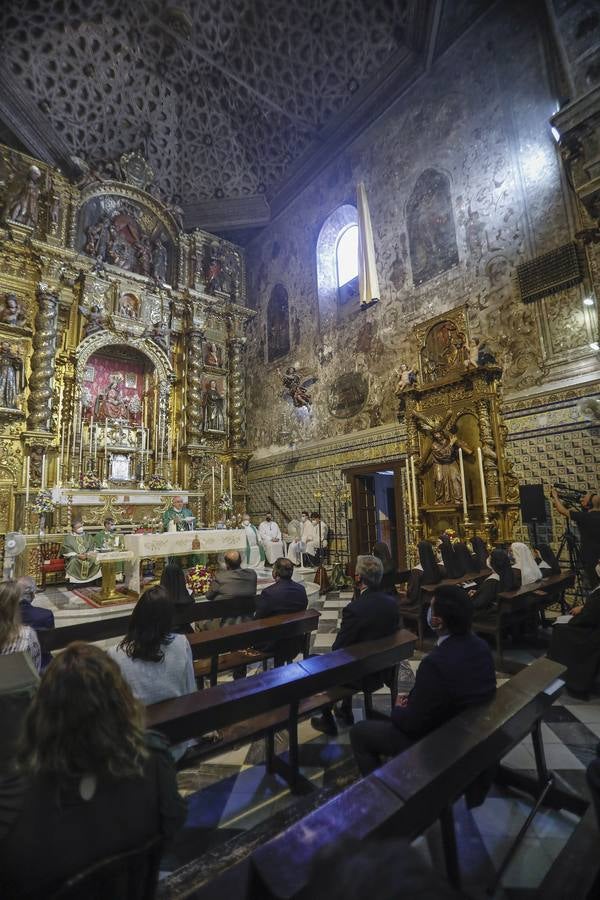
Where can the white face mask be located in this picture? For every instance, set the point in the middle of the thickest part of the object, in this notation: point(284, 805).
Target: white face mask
point(303, 518)
point(246, 521)
point(79, 530)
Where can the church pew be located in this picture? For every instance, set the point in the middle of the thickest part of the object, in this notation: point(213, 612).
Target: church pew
point(419, 786)
point(214, 650)
point(257, 706)
point(116, 626)
point(514, 607)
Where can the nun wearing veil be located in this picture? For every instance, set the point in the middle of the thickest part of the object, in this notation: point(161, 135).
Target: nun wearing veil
point(525, 567)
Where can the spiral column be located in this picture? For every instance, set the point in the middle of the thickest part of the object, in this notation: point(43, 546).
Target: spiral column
point(194, 374)
point(43, 361)
point(237, 395)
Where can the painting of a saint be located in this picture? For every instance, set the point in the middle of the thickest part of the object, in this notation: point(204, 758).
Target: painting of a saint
point(113, 405)
point(214, 406)
point(278, 323)
point(431, 230)
point(445, 350)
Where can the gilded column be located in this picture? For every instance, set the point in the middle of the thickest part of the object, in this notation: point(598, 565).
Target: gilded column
point(194, 373)
point(237, 395)
point(488, 450)
point(43, 361)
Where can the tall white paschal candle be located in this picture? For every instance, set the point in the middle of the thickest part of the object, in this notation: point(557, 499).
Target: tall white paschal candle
point(414, 487)
point(408, 492)
point(482, 480)
point(462, 483)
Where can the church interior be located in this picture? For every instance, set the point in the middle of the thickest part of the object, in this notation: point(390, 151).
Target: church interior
point(299, 442)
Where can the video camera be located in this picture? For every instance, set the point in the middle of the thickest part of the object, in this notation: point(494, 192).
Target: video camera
point(568, 495)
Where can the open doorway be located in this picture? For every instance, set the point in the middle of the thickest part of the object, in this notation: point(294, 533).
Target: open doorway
point(378, 510)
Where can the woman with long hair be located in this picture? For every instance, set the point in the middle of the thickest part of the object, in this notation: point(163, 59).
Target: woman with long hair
point(156, 662)
point(14, 636)
point(94, 783)
point(173, 581)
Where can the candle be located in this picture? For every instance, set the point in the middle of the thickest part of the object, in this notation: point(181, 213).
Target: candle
point(213, 486)
point(231, 482)
point(462, 482)
point(81, 446)
point(43, 483)
point(105, 439)
point(408, 491)
point(176, 457)
point(27, 474)
point(414, 487)
point(482, 479)
point(221, 478)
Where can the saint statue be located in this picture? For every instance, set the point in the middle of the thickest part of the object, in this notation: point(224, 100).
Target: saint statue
point(12, 314)
point(213, 355)
point(113, 405)
point(25, 206)
point(443, 452)
point(11, 377)
point(214, 415)
point(95, 319)
point(159, 261)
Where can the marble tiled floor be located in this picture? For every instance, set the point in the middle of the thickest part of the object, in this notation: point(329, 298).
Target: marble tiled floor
point(234, 804)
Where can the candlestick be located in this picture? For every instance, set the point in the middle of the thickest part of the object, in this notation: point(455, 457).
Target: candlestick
point(482, 480)
point(213, 486)
point(414, 487)
point(27, 475)
point(176, 457)
point(318, 478)
point(221, 478)
point(463, 485)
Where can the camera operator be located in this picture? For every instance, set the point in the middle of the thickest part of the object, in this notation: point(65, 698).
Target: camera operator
point(588, 522)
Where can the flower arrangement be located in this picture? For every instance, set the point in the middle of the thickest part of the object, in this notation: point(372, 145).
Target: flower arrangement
point(226, 504)
point(452, 535)
point(157, 482)
point(91, 481)
point(199, 579)
point(43, 503)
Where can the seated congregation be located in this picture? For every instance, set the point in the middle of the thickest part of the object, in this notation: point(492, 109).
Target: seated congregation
point(85, 771)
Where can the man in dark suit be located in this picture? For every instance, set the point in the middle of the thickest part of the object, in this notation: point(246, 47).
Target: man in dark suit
point(37, 617)
point(285, 596)
point(234, 582)
point(370, 615)
point(458, 673)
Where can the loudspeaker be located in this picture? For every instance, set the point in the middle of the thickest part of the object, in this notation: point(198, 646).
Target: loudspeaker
point(533, 505)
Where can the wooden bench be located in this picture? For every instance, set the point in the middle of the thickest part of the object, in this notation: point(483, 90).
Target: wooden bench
point(269, 701)
point(407, 795)
point(215, 651)
point(416, 612)
point(116, 626)
point(516, 606)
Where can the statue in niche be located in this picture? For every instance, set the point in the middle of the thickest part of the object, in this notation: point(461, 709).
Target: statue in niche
point(116, 249)
point(296, 389)
point(113, 404)
point(442, 452)
point(278, 323)
point(143, 252)
point(12, 313)
point(431, 231)
point(128, 306)
point(160, 334)
point(25, 206)
point(212, 355)
point(214, 414)
point(159, 261)
point(12, 379)
point(213, 271)
point(95, 319)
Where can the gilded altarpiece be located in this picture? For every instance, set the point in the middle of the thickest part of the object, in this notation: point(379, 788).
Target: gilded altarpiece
point(454, 425)
point(122, 343)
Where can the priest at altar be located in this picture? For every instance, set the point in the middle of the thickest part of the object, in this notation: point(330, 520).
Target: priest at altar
point(110, 539)
point(255, 555)
point(177, 513)
point(78, 552)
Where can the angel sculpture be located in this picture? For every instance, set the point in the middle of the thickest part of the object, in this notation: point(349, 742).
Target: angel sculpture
point(406, 378)
point(95, 318)
point(296, 389)
point(443, 451)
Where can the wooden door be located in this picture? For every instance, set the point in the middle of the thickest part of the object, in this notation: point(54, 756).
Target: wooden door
point(365, 514)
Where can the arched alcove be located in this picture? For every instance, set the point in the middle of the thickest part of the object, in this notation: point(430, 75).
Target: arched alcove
point(334, 227)
point(278, 324)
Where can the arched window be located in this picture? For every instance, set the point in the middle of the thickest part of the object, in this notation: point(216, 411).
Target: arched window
point(337, 263)
point(346, 255)
point(278, 324)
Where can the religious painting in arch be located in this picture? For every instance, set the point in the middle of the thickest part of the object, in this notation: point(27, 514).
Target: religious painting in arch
point(278, 324)
point(124, 233)
point(445, 351)
point(213, 406)
point(431, 229)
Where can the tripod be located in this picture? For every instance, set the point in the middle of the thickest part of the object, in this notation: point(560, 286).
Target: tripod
point(569, 541)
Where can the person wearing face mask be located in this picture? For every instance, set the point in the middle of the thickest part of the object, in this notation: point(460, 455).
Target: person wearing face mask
point(576, 644)
point(298, 546)
point(270, 535)
point(255, 554)
point(78, 552)
point(110, 539)
point(457, 674)
point(316, 545)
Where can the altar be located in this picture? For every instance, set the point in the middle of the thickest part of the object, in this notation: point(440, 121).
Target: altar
point(177, 543)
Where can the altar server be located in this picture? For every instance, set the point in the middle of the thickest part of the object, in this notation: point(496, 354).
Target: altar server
point(77, 549)
point(254, 555)
point(270, 535)
point(298, 546)
point(316, 546)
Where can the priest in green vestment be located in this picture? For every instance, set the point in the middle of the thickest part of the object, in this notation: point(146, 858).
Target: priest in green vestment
point(76, 549)
point(110, 539)
point(177, 513)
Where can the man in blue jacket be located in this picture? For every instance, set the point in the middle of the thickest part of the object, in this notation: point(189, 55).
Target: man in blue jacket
point(37, 617)
point(285, 596)
point(458, 673)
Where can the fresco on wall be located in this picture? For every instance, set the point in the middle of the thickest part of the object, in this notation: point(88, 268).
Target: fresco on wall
point(347, 395)
point(278, 323)
point(431, 232)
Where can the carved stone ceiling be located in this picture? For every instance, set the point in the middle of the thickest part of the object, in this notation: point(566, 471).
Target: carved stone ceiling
point(222, 96)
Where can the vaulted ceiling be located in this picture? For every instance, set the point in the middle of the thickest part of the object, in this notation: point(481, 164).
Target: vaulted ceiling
point(229, 100)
